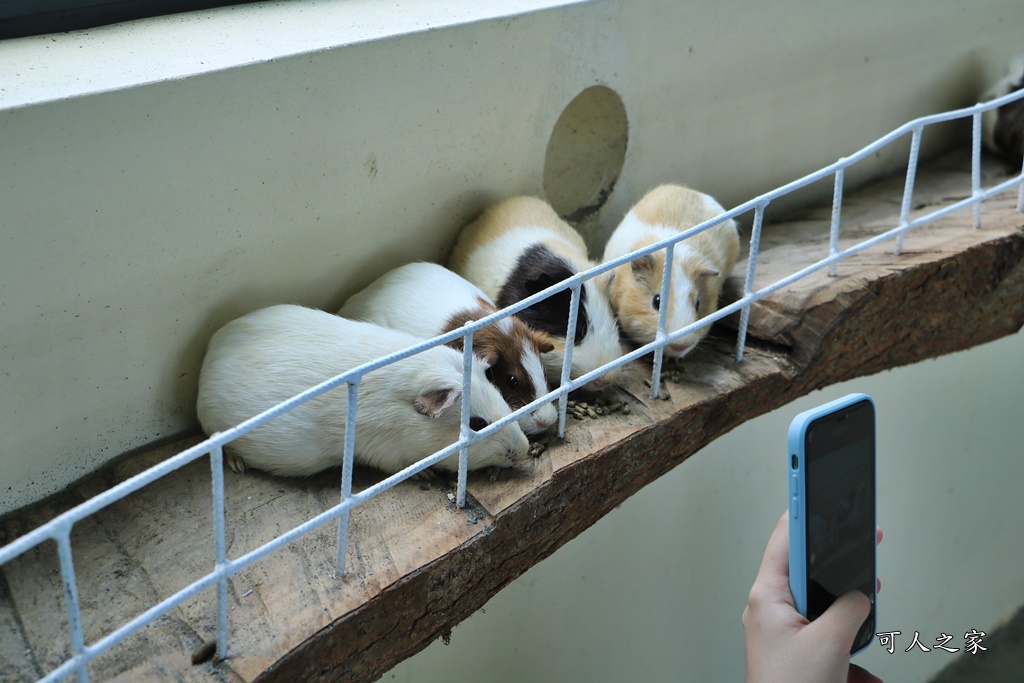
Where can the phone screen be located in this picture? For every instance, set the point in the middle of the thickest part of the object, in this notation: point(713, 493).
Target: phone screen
point(839, 456)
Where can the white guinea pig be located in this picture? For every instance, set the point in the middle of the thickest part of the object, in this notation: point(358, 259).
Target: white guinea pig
point(426, 300)
point(700, 265)
point(519, 247)
point(1002, 129)
point(406, 411)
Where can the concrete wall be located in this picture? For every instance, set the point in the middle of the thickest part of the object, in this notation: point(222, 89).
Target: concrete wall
point(160, 178)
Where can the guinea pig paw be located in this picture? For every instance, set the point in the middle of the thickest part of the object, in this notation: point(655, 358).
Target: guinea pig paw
point(236, 463)
point(427, 476)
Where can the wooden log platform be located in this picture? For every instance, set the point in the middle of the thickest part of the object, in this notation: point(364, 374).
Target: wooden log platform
point(417, 565)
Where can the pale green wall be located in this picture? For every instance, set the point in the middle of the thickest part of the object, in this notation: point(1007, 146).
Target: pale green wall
point(654, 591)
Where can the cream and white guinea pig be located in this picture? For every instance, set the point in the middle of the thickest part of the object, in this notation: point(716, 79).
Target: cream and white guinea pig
point(426, 300)
point(1002, 129)
point(405, 411)
point(519, 247)
point(700, 265)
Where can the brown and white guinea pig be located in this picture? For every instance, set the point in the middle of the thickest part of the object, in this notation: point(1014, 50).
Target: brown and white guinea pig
point(1002, 129)
point(405, 412)
point(426, 300)
point(519, 247)
point(700, 265)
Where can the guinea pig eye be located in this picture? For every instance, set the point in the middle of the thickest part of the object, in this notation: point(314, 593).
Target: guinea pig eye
point(656, 302)
point(512, 381)
point(477, 423)
point(696, 305)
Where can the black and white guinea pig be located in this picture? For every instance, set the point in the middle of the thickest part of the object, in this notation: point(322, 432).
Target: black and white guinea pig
point(519, 247)
point(406, 411)
point(700, 265)
point(426, 300)
point(1002, 129)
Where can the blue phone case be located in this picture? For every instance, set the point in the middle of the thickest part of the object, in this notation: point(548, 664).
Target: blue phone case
point(797, 500)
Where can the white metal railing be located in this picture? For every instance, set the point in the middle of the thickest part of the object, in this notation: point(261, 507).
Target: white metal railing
point(59, 529)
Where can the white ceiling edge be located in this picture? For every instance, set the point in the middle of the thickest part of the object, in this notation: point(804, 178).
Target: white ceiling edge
point(72, 64)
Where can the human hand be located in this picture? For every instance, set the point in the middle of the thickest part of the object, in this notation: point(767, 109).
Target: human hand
point(782, 646)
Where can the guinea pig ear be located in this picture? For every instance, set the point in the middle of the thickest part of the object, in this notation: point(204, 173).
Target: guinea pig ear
point(434, 402)
point(604, 280)
point(539, 283)
point(487, 357)
point(642, 266)
point(707, 269)
point(543, 342)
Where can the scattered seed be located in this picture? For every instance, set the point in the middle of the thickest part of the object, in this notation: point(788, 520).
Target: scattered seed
point(625, 409)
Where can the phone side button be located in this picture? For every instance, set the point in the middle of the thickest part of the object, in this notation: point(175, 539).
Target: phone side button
point(792, 485)
point(794, 509)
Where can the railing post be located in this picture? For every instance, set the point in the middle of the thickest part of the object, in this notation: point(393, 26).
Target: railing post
point(837, 206)
point(1020, 191)
point(67, 573)
point(467, 373)
point(659, 352)
point(976, 167)
point(220, 548)
point(351, 409)
point(570, 339)
point(908, 186)
point(748, 286)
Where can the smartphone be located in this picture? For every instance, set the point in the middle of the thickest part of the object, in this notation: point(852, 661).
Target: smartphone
point(832, 507)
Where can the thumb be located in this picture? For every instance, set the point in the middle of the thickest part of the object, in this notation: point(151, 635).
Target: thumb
point(844, 617)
